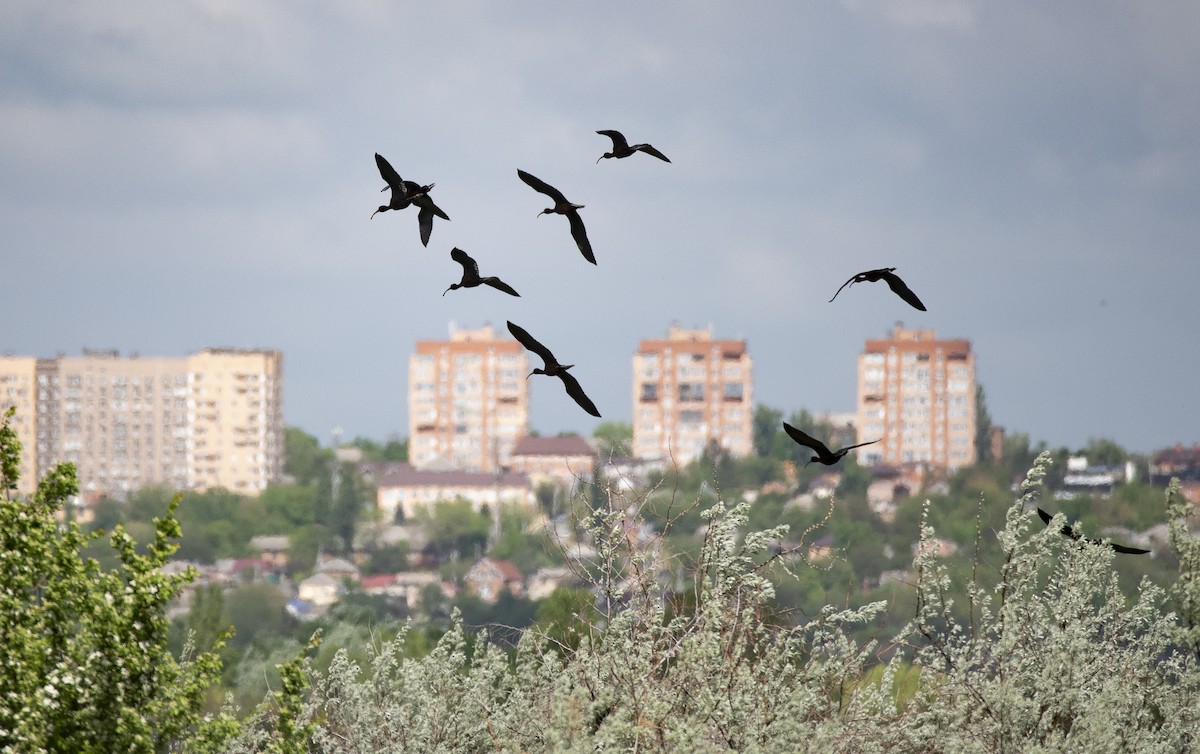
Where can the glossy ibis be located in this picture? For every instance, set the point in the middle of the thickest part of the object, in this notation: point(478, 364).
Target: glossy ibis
point(1069, 532)
point(554, 369)
point(823, 454)
point(407, 193)
point(894, 282)
point(471, 278)
point(562, 207)
point(622, 149)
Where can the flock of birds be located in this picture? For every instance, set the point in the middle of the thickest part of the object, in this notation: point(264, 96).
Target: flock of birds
point(405, 194)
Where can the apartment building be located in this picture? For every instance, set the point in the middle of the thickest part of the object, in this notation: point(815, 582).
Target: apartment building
point(916, 394)
point(468, 401)
point(18, 390)
point(210, 419)
point(688, 389)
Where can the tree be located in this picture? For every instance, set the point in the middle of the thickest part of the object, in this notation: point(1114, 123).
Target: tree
point(768, 423)
point(983, 427)
point(86, 663)
point(613, 440)
point(1104, 452)
point(347, 507)
point(303, 458)
point(455, 527)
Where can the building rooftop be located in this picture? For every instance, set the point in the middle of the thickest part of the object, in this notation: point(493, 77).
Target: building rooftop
point(570, 445)
point(404, 475)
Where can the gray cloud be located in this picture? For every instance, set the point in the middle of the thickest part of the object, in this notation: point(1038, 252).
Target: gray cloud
point(200, 173)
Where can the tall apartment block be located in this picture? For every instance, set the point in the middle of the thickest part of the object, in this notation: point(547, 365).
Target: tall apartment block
point(917, 394)
point(18, 389)
point(468, 401)
point(688, 389)
point(210, 419)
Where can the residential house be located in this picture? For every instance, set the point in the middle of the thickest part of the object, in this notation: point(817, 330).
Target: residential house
point(489, 577)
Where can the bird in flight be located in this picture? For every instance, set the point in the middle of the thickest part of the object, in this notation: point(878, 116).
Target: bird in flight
point(823, 454)
point(554, 369)
point(407, 193)
point(471, 278)
point(562, 207)
point(1070, 533)
point(621, 148)
point(894, 282)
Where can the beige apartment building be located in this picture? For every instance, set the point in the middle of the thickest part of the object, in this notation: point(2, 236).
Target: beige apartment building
point(916, 394)
point(468, 401)
point(688, 389)
point(18, 389)
point(210, 419)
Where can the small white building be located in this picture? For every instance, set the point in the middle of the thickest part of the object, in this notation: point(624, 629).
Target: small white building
point(407, 489)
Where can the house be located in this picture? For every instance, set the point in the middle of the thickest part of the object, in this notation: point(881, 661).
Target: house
point(543, 583)
point(939, 546)
point(565, 461)
point(320, 590)
point(1180, 462)
point(489, 577)
point(338, 568)
point(405, 586)
point(273, 549)
point(405, 489)
point(822, 548)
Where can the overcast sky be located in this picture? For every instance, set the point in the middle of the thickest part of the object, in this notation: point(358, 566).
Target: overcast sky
point(190, 174)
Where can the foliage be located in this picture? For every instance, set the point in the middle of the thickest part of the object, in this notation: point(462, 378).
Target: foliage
point(613, 440)
point(1050, 656)
point(455, 528)
point(86, 665)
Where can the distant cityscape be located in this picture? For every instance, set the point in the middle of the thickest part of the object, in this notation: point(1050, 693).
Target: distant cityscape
point(214, 418)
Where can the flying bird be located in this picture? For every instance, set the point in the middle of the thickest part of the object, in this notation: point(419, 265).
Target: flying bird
point(621, 148)
point(562, 207)
point(894, 282)
point(1069, 532)
point(554, 369)
point(823, 454)
point(406, 194)
point(471, 278)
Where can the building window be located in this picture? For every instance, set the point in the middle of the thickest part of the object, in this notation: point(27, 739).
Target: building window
point(734, 391)
point(649, 391)
point(691, 391)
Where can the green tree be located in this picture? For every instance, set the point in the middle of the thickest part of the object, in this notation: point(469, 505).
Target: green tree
point(346, 507)
point(983, 426)
point(613, 439)
point(304, 458)
point(86, 664)
point(454, 526)
point(767, 426)
point(1104, 452)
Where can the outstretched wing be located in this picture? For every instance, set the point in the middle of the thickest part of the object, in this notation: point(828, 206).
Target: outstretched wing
point(388, 173)
point(806, 440)
point(618, 139)
point(425, 221)
point(648, 149)
point(579, 233)
point(1127, 550)
point(576, 392)
point(540, 186)
point(852, 447)
point(500, 285)
point(529, 342)
point(469, 265)
point(1066, 530)
point(424, 201)
point(900, 289)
